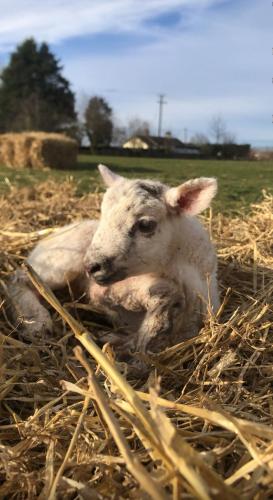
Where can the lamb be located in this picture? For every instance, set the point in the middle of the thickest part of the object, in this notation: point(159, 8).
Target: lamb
point(148, 264)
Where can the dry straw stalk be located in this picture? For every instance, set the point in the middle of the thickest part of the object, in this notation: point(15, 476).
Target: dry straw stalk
point(166, 442)
point(68, 434)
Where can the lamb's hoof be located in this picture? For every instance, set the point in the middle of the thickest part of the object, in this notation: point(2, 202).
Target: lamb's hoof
point(138, 369)
point(36, 328)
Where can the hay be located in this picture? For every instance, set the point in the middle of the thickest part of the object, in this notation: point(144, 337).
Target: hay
point(22, 151)
point(38, 150)
point(72, 428)
point(6, 151)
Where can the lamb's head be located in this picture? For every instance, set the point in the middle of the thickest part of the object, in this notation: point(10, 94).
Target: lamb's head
point(137, 224)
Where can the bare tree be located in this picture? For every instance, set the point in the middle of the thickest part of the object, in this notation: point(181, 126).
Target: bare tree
point(119, 135)
point(136, 126)
point(82, 102)
point(200, 139)
point(217, 128)
point(229, 138)
point(219, 132)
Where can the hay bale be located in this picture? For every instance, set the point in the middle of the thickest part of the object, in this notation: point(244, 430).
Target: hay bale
point(13, 151)
point(22, 147)
point(38, 150)
point(53, 151)
point(7, 151)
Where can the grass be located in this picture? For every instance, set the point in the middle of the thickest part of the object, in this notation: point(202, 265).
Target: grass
point(240, 182)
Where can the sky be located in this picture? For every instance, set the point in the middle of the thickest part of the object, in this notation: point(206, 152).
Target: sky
point(209, 58)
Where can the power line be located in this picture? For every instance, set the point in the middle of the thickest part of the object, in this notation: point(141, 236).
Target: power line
point(161, 102)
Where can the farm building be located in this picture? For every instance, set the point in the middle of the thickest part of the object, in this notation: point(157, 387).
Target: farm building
point(166, 143)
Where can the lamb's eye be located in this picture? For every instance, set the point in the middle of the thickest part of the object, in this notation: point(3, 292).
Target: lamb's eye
point(146, 225)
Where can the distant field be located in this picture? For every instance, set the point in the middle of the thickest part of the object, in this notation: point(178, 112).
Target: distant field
point(240, 182)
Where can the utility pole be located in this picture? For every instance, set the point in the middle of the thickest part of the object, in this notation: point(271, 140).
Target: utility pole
point(161, 102)
point(185, 135)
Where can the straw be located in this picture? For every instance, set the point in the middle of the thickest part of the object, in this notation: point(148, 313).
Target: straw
point(199, 425)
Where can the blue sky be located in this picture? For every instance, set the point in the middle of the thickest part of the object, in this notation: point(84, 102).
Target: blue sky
point(209, 57)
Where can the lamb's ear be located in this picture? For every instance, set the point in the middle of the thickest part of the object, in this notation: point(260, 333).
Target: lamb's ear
point(108, 176)
point(193, 196)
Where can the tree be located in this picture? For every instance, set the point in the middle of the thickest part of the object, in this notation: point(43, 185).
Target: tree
point(219, 131)
point(217, 128)
point(33, 93)
point(76, 131)
point(229, 138)
point(119, 135)
point(98, 122)
point(199, 139)
point(136, 126)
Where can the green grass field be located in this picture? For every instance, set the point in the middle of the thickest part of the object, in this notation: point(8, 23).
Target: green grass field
point(240, 182)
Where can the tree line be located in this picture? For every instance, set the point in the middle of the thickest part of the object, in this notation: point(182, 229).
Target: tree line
point(34, 95)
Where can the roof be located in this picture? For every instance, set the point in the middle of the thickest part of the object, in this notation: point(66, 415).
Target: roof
point(153, 141)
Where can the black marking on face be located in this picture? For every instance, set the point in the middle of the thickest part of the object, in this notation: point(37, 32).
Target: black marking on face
point(153, 190)
point(132, 231)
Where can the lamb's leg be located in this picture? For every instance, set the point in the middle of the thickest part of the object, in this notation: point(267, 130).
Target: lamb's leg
point(165, 304)
point(151, 313)
point(26, 310)
point(58, 259)
point(173, 313)
point(147, 308)
point(161, 305)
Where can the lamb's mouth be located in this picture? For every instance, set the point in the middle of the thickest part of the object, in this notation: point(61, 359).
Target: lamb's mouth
point(109, 279)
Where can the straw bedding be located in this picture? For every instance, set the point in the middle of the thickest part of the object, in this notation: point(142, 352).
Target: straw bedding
point(199, 427)
point(38, 150)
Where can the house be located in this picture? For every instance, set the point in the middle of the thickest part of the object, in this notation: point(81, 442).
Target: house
point(165, 144)
point(261, 154)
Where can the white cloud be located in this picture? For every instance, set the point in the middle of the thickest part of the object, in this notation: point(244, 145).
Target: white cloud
point(221, 65)
point(57, 20)
point(219, 61)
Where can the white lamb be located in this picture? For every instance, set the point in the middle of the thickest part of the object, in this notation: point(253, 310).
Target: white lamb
point(148, 264)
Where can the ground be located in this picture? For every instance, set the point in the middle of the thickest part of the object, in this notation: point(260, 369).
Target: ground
point(240, 182)
point(209, 435)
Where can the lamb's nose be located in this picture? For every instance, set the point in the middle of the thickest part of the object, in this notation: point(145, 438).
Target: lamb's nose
point(94, 268)
point(100, 267)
